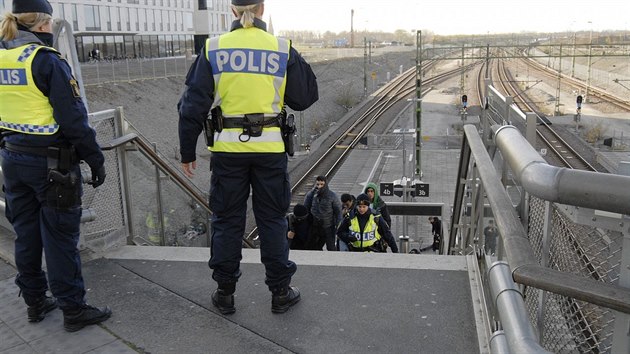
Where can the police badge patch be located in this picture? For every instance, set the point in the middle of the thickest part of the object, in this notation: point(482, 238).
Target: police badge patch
point(75, 88)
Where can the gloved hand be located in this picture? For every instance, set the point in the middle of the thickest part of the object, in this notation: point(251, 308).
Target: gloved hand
point(98, 176)
point(352, 239)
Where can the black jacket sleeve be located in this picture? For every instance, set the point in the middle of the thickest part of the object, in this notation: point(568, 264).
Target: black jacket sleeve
point(385, 214)
point(384, 230)
point(343, 231)
point(194, 106)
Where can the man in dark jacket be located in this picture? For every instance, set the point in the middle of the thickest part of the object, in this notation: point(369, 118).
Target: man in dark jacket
point(325, 207)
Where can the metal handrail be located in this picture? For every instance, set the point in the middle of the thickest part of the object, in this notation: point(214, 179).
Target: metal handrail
point(519, 254)
point(147, 150)
point(602, 191)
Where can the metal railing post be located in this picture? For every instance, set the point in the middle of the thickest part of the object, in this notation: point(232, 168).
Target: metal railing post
point(158, 200)
point(124, 176)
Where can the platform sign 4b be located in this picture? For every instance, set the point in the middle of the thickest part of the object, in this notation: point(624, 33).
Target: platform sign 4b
point(421, 189)
point(387, 189)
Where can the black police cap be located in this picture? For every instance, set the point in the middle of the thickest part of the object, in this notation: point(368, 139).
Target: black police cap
point(245, 2)
point(363, 199)
point(22, 6)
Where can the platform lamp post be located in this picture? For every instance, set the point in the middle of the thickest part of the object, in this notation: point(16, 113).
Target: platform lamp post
point(587, 98)
point(418, 104)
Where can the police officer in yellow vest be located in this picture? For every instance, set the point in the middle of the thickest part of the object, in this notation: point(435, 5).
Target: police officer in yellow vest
point(246, 76)
point(45, 134)
point(364, 230)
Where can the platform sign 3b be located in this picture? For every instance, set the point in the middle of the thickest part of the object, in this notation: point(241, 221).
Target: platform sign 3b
point(421, 189)
point(387, 189)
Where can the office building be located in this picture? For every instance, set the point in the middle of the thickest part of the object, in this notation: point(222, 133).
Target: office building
point(121, 29)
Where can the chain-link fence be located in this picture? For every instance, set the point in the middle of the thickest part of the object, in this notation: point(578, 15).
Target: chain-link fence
point(138, 200)
point(567, 325)
point(107, 200)
point(126, 70)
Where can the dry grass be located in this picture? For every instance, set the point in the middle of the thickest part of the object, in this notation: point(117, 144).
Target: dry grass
point(594, 133)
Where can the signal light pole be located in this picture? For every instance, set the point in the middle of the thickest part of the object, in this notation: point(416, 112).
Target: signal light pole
point(418, 103)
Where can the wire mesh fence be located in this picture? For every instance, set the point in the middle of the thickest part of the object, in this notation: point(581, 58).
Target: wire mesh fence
point(126, 70)
point(567, 325)
point(107, 200)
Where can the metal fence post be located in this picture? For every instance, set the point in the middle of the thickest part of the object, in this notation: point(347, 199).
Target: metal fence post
point(128, 77)
point(124, 171)
point(621, 337)
point(158, 195)
point(404, 244)
point(153, 62)
point(98, 74)
point(544, 261)
point(113, 72)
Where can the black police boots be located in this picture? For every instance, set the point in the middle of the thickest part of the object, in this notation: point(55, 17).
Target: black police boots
point(223, 298)
point(284, 298)
point(85, 315)
point(38, 310)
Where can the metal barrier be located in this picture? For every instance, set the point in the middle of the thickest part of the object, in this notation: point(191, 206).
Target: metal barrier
point(569, 259)
point(134, 69)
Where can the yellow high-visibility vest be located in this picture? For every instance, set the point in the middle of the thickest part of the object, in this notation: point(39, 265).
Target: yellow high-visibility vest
point(370, 233)
point(249, 67)
point(24, 107)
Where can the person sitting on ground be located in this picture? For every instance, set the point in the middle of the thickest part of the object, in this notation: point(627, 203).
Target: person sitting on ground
point(376, 203)
point(365, 231)
point(299, 228)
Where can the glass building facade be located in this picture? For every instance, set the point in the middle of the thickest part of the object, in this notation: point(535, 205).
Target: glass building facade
point(120, 29)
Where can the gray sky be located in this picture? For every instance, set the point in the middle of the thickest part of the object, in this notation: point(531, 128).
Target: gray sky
point(449, 16)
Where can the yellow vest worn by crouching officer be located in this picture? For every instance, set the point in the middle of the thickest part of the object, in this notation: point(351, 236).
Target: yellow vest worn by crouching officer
point(249, 67)
point(370, 232)
point(18, 91)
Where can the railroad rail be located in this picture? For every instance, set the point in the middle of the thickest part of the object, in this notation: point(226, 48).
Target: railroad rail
point(563, 151)
point(578, 84)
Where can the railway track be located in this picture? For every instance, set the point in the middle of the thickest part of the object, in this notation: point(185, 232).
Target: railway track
point(594, 91)
point(563, 152)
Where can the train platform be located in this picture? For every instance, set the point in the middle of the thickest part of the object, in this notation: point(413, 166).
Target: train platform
point(351, 303)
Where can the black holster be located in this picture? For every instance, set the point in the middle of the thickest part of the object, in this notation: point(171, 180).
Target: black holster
point(208, 130)
point(64, 189)
point(253, 124)
point(287, 126)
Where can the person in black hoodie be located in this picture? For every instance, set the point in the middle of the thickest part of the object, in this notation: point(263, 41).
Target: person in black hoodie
point(299, 223)
point(364, 230)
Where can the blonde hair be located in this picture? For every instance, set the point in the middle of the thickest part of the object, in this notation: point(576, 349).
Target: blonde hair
point(30, 20)
point(247, 14)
